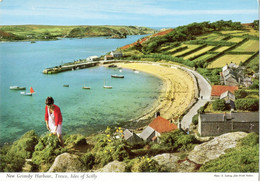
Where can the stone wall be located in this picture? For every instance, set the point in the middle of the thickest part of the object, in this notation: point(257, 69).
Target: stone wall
point(216, 128)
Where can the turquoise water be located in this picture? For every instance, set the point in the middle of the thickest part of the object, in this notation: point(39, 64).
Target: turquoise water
point(84, 111)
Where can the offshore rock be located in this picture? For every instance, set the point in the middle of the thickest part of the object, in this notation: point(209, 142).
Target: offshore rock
point(67, 163)
point(213, 149)
point(114, 166)
point(168, 160)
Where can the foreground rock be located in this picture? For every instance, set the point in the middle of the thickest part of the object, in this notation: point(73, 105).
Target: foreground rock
point(114, 166)
point(168, 160)
point(67, 163)
point(214, 148)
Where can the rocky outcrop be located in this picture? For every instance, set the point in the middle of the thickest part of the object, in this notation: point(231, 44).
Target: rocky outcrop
point(114, 166)
point(214, 148)
point(168, 160)
point(67, 163)
point(201, 154)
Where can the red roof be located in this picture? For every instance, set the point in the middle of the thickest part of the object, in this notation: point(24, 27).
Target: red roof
point(217, 90)
point(162, 125)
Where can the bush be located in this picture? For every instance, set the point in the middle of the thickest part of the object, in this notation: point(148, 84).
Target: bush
point(241, 93)
point(247, 104)
point(149, 165)
point(195, 119)
point(219, 105)
point(46, 151)
point(74, 140)
point(88, 160)
point(12, 158)
point(178, 140)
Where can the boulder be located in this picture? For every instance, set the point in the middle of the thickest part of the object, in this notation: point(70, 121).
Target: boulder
point(114, 166)
point(187, 166)
point(67, 163)
point(213, 149)
point(168, 161)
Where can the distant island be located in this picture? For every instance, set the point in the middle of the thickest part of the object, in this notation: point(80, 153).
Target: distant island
point(47, 32)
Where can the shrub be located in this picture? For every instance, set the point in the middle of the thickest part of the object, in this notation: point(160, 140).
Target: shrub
point(247, 104)
point(195, 119)
point(88, 160)
point(149, 165)
point(241, 93)
point(46, 151)
point(12, 158)
point(74, 140)
point(219, 105)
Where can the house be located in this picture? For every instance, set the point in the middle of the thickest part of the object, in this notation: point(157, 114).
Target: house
point(93, 58)
point(229, 98)
point(116, 54)
point(232, 75)
point(131, 137)
point(247, 82)
point(108, 57)
point(217, 90)
point(217, 124)
point(158, 126)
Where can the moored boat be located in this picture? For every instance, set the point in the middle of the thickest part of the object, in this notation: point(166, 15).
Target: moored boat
point(28, 93)
point(117, 76)
point(17, 88)
point(107, 86)
point(66, 85)
point(85, 87)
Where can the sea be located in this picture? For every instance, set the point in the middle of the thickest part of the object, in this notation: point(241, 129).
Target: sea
point(84, 111)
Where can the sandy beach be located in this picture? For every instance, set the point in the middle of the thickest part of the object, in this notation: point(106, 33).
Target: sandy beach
point(176, 94)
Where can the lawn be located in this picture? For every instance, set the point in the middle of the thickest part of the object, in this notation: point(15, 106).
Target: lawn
point(248, 46)
point(190, 48)
point(203, 50)
point(227, 59)
point(221, 49)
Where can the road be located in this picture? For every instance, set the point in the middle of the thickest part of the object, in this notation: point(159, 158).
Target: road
point(204, 94)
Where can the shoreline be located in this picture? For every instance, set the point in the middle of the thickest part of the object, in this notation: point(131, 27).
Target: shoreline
point(177, 92)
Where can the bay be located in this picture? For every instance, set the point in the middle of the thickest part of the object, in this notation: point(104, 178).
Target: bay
point(84, 111)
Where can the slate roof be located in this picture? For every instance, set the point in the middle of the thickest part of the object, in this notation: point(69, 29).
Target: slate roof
point(235, 117)
point(146, 133)
point(217, 90)
point(127, 134)
point(162, 125)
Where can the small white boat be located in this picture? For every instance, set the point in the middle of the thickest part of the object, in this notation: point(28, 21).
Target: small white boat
point(28, 93)
point(136, 71)
point(17, 88)
point(85, 87)
point(107, 86)
point(117, 76)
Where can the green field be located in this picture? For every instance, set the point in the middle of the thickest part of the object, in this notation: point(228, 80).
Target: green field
point(248, 46)
point(227, 59)
point(221, 49)
point(211, 37)
point(235, 40)
point(190, 48)
point(204, 57)
point(203, 50)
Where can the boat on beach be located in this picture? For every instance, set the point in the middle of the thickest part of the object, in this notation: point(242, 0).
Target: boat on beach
point(117, 76)
point(107, 86)
point(28, 93)
point(17, 88)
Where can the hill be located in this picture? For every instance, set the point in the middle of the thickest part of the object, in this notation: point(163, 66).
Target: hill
point(204, 46)
point(47, 32)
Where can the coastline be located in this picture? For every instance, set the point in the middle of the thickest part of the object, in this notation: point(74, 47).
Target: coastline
point(177, 91)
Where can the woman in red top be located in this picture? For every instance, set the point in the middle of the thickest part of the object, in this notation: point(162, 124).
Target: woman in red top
point(53, 119)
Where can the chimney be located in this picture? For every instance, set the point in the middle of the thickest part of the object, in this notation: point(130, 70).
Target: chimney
point(157, 114)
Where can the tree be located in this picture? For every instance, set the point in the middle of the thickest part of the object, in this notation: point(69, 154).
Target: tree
point(219, 105)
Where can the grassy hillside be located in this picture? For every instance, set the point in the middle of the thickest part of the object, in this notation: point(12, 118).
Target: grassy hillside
point(204, 46)
point(46, 32)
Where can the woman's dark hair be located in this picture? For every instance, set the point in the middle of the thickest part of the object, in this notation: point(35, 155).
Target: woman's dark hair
point(49, 101)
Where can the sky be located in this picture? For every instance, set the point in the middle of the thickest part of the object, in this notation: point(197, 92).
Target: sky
point(151, 13)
